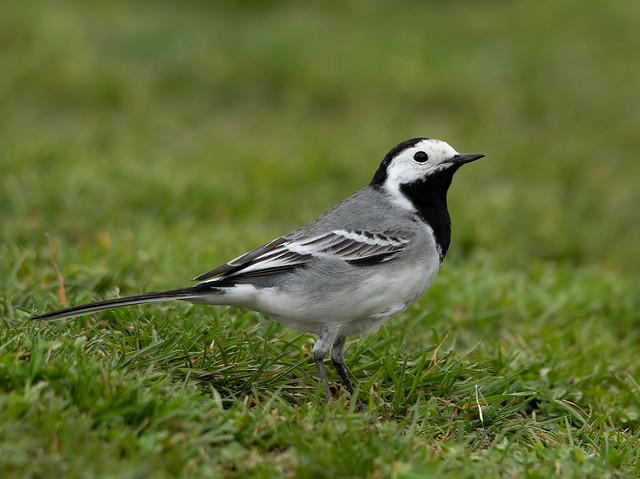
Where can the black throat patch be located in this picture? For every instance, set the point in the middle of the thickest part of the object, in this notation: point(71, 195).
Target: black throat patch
point(429, 196)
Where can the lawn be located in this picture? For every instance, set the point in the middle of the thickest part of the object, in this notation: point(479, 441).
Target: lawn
point(142, 144)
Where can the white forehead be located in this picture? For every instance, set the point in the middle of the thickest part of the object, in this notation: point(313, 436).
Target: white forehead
point(432, 147)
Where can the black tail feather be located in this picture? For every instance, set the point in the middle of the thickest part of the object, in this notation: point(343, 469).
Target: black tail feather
point(154, 297)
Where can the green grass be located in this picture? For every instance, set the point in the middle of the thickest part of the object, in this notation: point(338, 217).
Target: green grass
point(143, 145)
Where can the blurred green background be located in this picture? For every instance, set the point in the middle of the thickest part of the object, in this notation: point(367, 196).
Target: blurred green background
point(206, 128)
point(153, 141)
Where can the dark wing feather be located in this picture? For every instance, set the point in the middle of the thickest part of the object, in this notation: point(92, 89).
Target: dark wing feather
point(241, 261)
point(358, 248)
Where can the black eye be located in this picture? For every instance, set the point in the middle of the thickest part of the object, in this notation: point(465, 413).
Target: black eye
point(420, 157)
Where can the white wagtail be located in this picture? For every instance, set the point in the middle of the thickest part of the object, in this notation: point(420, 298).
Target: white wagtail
point(355, 267)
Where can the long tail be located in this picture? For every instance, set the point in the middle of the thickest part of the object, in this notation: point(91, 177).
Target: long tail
point(182, 294)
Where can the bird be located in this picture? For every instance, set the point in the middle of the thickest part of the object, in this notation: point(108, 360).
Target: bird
point(358, 265)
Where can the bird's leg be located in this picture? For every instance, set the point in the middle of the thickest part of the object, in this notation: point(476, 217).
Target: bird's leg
point(320, 350)
point(337, 357)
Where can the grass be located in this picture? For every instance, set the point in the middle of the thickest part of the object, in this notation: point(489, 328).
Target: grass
point(141, 146)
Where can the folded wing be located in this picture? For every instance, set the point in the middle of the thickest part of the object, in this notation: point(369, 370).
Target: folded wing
point(357, 247)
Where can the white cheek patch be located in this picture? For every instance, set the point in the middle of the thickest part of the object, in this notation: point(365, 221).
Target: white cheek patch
point(393, 189)
point(406, 171)
point(402, 172)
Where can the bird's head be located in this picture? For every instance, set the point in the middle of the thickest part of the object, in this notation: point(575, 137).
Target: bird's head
point(418, 158)
point(418, 163)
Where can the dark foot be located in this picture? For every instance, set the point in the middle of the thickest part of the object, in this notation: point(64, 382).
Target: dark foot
point(323, 376)
point(359, 405)
point(347, 383)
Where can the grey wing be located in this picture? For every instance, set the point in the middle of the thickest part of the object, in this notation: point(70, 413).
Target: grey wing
point(357, 247)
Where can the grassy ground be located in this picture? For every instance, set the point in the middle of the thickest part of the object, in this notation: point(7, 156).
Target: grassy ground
point(142, 145)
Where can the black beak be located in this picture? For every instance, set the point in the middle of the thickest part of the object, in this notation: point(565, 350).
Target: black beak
point(464, 158)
